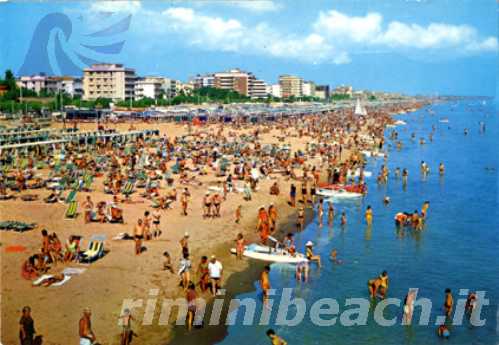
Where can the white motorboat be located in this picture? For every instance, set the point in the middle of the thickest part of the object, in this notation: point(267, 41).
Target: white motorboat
point(265, 253)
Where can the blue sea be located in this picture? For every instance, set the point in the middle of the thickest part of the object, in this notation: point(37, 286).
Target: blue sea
point(458, 248)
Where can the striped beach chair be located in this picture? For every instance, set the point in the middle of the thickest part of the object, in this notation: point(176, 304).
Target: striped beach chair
point(127, 189)
point(71, 197)
point(72, 210)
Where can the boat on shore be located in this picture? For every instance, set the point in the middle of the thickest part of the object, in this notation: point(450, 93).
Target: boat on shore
point(369, 154)
point(338, 193)
point(269, 254)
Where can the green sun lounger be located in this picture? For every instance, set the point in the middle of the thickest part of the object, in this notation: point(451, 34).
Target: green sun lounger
point(72, 210)
point(88, 180)
point(71, 197)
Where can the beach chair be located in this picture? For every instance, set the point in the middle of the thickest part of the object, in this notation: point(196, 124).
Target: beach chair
point(72, 210)
point(87, 183)
point(127, 189)
point(95, 249)
point(155, 203)
point(71, 197)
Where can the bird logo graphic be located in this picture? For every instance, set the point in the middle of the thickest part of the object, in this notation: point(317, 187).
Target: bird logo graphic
point(55, 50)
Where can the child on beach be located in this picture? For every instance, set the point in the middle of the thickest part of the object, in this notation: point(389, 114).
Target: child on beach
point(239, 246)
point(167, 264)
point(238, 214)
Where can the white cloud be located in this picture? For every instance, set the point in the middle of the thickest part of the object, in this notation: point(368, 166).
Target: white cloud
point(331, 38)
point(116, 6)
point(256, 5)
point(348, 29)
point(357, 33)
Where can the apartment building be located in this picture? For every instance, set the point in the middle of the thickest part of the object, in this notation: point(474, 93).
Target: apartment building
point(149, 87)
point(34, 83)
point(291, 86)
point(245, 83)
point(308, 89)
point(322, 91)
point(200, 81)
point(112, 81)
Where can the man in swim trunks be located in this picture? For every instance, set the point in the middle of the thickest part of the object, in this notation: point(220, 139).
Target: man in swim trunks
point(265, 283)
point(87, 336)
point(138, 234)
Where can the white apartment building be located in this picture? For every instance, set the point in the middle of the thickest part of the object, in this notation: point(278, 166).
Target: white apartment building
point(308, 89)
point(149, 87)
point(112, 81)
point(66, 84)
point(34, 83)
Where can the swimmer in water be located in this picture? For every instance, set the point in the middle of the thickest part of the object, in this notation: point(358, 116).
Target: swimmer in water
point(443, 331)
point(386, 200)
point(330, 213)
point(449, 302)
point(369, 215)
point(424, 209)
point(441, 169)
point(320, 212)
point(334, 257)
point(343, 218)
point(383, 287)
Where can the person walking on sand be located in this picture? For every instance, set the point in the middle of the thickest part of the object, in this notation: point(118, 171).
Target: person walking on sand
point(191, 297)
point(138, 234)
point(240, 245)
point(87, 336)
point(147, 226)
point(207, 205)
point(272, 217)
point(238, 214)
point(215, 270)
point(126, 324)
point(26, 327)
point(156, 220)
point(184, 201)
point(292, 195)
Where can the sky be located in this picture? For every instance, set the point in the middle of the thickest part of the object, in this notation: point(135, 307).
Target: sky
point(411, 46)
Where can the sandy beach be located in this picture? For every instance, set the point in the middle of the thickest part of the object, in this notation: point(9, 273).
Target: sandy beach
point(120, 274)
